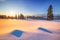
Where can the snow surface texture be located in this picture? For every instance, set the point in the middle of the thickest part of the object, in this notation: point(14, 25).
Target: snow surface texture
point(30, 29)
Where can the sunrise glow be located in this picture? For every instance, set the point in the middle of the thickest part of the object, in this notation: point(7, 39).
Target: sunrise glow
point(11, 13)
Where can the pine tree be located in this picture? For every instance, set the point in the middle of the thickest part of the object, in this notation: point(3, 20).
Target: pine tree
point(50, 14)
point(16, 16)
point(21, 16)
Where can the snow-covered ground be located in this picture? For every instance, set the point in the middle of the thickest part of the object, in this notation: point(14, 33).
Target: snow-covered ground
point(30, 29)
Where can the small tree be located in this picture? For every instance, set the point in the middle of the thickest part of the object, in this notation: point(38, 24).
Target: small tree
point(21, 16)
point(16, 16)
point(50, 14)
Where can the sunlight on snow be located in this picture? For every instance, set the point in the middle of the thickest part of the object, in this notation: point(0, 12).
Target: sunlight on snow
point(8, 25)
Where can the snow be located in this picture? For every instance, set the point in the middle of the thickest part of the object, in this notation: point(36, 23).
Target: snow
point(30, 29)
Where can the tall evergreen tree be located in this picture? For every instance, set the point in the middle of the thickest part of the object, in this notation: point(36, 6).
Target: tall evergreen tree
point(50, 14)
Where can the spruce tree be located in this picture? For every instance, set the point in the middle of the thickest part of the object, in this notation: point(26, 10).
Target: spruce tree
point(21, 16)
point(50, 14)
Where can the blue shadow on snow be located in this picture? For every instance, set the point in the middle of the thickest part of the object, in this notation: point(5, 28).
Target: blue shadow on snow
point(45, 30)
point(17, 33)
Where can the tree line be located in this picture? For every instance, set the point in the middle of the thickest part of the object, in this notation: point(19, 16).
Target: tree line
point(50, 15)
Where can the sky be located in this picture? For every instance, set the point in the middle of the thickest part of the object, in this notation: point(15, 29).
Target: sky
point(28, 7)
